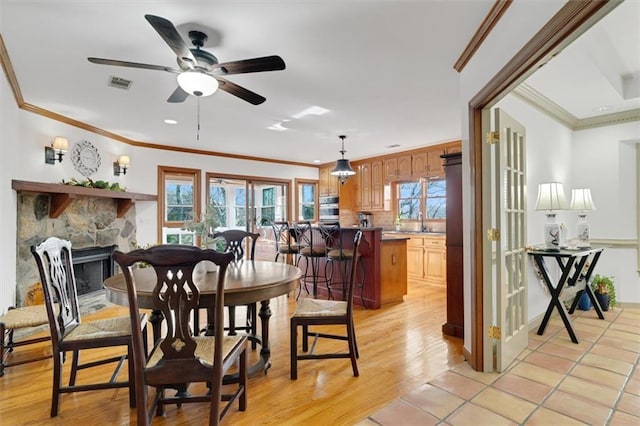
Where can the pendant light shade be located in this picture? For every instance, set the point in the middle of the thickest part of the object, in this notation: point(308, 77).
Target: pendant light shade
point(342, 169)
point(197, 83)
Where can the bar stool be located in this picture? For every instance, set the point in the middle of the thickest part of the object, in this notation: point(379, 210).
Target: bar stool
point(312, 248)
point(286, 243)
point(336, 254)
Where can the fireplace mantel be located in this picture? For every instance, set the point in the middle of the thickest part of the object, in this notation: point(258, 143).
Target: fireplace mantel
point(62, 195)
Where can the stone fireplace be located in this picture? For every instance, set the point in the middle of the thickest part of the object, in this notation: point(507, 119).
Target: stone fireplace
point(90, 223)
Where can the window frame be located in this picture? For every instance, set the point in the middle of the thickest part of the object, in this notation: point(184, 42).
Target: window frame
point(298, 183)
point(424, 197)
point(170, 172)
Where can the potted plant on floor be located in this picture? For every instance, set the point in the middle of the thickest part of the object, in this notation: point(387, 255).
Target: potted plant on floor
point(605, 291)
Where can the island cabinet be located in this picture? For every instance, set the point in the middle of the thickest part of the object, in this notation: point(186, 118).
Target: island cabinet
point(382, 274)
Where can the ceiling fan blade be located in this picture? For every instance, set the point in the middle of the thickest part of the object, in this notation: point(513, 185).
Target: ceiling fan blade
point(178, 96)
point(266, 63)
point(171, 36)
point(241, 92)
point(118, 63)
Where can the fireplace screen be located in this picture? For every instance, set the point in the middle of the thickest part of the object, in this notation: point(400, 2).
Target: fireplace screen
point(91, 266)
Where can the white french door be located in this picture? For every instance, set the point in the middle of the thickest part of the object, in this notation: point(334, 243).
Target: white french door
point(504, 216)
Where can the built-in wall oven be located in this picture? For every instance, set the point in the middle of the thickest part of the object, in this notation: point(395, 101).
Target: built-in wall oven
point(329, 209)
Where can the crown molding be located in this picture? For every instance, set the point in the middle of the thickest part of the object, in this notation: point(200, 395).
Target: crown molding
point(553, 110)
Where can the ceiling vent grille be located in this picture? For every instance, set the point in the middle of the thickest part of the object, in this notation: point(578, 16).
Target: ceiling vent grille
point(120, 83)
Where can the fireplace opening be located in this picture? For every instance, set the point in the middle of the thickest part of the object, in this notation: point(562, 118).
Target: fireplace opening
point(91, 266)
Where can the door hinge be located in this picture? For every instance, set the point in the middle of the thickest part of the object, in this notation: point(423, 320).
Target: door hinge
point(493, 234)
point(493, 137)
point(494, 332)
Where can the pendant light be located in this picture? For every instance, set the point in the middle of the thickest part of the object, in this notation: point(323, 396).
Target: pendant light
point(342, 169)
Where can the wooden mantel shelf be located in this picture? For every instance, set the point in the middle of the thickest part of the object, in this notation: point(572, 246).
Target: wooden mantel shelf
point(62, 195)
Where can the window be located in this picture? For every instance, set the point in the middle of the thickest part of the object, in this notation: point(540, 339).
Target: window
point(306, 195)
point(424, 195)
point(268, 208)
point(179, 202)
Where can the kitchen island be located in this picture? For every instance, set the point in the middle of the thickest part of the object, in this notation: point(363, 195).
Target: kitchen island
point(382, 275)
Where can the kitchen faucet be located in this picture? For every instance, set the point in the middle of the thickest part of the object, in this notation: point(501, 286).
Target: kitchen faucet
point(422, 227)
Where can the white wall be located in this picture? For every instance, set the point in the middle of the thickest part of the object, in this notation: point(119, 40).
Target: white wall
point(23, 137)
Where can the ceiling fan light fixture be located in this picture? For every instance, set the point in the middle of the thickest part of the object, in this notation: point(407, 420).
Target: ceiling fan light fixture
point(197, 83)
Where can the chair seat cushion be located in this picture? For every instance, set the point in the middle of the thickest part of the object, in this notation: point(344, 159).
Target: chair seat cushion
point(317, 307)
point(285, 248)
point(98, 329)
point(204, 349)
point(313, 251)
point(335, 254)
point(27, 316)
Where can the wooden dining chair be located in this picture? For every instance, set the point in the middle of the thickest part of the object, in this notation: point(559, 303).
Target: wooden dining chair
point(180, 357)
point(69, 333)
point(243, 246)
point(22, 318)
point(315, 313)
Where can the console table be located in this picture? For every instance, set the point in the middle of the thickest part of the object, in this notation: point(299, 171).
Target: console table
point(575, 266)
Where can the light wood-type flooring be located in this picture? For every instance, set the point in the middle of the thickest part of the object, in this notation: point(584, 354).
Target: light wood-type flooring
point(401, 347)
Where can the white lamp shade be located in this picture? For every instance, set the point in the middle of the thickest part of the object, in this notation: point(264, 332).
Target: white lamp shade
point(581, 199)
point(124, 161)
point(197, 83)
point(551, 197)
point(60, 144)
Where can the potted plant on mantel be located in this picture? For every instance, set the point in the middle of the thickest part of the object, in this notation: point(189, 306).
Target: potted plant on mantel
point(605, 291)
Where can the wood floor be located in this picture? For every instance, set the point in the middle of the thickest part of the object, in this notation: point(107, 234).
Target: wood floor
point(401, 347)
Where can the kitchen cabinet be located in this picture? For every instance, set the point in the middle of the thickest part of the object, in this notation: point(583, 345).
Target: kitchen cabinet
point(377, 185)
point(328, 184)
point(435, 168)
point(364, 176)
point(397, 168)
point(426, 258)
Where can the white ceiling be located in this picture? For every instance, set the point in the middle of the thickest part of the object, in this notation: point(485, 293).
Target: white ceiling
point(383, 70)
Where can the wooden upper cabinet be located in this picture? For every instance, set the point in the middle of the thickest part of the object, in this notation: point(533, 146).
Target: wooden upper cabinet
point(365, 185)
point(457, 147)
point(390, 166)
point(420, 164)
point(377, 185)
point(329, 184)
point(404, 167)
point(435, 167)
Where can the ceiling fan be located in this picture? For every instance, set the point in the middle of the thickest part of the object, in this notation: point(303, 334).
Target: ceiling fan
point(200, 74)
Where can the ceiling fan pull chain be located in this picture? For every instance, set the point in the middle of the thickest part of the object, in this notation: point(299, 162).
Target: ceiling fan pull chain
point(198, 133)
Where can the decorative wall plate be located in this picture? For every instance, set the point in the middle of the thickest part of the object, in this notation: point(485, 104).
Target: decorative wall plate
point(85, 158)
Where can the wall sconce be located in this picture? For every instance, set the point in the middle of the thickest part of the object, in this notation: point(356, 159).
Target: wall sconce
point(581, 201)
point(550, 199)
point(121, 166)
point(56, 151)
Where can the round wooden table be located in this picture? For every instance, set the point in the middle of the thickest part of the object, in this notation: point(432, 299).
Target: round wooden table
point(246, 282)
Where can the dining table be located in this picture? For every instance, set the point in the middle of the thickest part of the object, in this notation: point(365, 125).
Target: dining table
point(246, 282)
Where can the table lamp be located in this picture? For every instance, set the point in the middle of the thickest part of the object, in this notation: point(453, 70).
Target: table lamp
point(551, 199)
point(582, 202)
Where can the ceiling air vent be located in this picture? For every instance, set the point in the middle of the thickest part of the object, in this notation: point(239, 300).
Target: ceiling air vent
point(120, 83)
point(395, 145)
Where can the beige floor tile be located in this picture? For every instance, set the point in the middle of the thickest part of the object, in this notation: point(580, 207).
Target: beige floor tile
point(522, 387)
point(400, 412)
point(553, 363)
point(563, 351)
point(592, 320)
point(471, 414)
point(607, 363)
point(505, 404)
point(469, 372)
point(434, 400)
point(622, 335)
point(525, 353)
point(629, 328)
point(615, 353)
point(578, 408)
point(600, 376)
point(621, 418)
point(457, 384)
point(589, 390)
point(620, 343)
point(534, 344)
point(537, 374)
point(633, 385)
point(629, 404)
point(545, 417)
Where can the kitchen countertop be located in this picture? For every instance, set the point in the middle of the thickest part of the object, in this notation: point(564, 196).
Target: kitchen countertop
point(416, 233)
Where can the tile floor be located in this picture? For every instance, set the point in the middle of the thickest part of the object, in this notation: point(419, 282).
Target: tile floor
point(552, 382)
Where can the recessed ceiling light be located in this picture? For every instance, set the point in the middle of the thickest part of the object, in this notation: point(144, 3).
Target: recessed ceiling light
point(316, 161)
point(602, 108)
point(169, 121)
